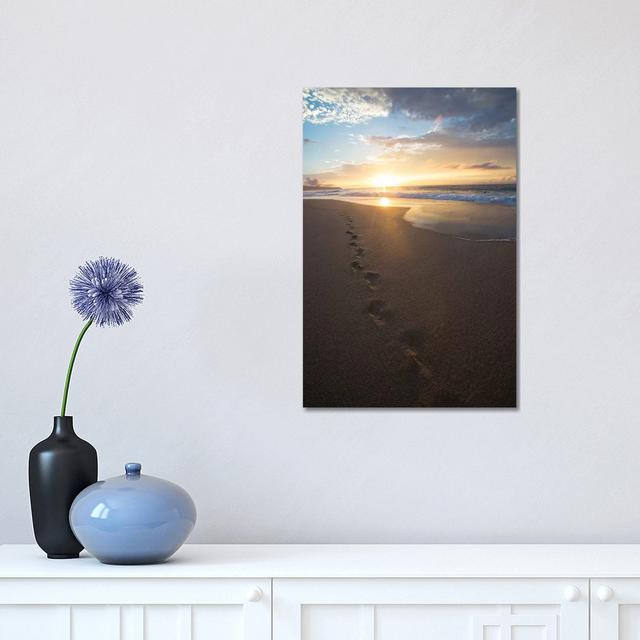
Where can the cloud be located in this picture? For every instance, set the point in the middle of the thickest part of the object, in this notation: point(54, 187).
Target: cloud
point(344, 173)
point(310, 182)
point(483, 115)
point(486, 165)
point(433, 140)
point(410, 144)
point(344, 106)
point(339, 172)
point(475, 110)
point(490, 166)
point(422, 135)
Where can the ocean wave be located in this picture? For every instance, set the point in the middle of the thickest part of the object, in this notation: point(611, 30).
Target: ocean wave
point(497, 196)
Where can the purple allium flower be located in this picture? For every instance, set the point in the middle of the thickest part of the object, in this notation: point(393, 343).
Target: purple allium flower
point(104, 290)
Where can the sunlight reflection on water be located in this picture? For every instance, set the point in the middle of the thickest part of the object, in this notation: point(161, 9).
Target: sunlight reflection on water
point(468, 220)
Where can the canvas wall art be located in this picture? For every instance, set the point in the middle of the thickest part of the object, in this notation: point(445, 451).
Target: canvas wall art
point(410, 247)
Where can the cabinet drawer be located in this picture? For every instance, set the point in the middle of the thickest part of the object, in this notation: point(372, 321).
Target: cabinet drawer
point(615, 609)
point(135, 609)
point(430, 609)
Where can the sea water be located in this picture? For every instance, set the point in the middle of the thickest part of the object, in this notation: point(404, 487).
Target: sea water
point(471, 212)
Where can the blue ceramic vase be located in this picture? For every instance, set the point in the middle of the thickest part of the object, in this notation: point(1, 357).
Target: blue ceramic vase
point(132, 519)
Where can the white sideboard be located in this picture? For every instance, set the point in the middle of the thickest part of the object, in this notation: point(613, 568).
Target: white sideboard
point(328, 592)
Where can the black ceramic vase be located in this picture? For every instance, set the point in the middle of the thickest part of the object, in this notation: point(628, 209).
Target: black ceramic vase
point(60, 467)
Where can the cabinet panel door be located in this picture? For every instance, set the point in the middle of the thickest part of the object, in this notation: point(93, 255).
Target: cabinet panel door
point(438, 609)
point(136, 609)
point(615, 609)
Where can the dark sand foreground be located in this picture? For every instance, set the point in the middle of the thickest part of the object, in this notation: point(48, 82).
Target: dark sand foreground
point(396, 316)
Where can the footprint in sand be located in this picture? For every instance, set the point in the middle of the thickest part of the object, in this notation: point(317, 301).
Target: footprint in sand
point(359, 251)
point(353, 243)
point(356, 265)
point(372, 278)
point(377, 311)
point(413, 341)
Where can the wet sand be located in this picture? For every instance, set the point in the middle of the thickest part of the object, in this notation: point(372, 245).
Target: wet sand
point(398, 316)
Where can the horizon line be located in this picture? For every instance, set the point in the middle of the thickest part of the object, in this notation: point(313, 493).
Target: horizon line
point(373, 187)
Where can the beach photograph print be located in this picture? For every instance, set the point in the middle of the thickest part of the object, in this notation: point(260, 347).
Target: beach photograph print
point(410, 247)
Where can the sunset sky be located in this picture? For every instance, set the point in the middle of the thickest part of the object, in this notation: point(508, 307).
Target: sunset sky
point(408, 137)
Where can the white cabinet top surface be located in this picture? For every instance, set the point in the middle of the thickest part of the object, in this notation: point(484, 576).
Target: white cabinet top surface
point(344, 561)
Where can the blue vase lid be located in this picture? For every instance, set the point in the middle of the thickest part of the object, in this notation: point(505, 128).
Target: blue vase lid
point(132, 469)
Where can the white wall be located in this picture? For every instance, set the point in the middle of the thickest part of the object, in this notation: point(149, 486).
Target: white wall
point(168, 133)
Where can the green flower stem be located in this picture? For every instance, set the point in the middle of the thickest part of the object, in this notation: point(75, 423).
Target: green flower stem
point(70, 369)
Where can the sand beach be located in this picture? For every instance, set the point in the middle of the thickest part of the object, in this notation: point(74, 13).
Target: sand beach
point(401, 316)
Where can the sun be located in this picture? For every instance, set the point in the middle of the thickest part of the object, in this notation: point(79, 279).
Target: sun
point(385, 180)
